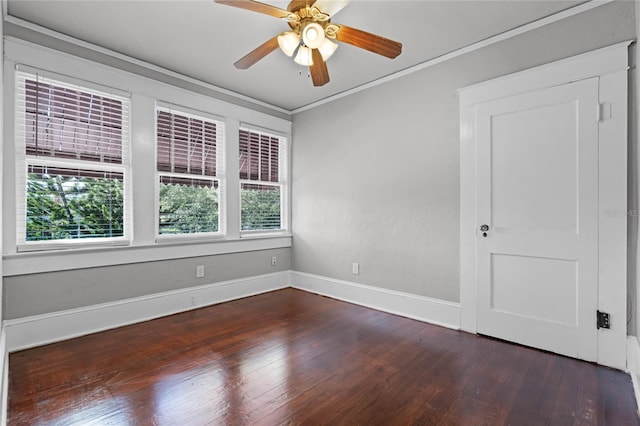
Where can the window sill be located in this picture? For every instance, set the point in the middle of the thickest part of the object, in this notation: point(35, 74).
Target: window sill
point(262, 234)
point(93, 257)
point(52, 247)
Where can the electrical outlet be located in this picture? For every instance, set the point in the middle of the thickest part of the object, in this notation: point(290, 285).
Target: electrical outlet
point(192, 300)
point(200, 271)
point(274, 260)
point(355, 268)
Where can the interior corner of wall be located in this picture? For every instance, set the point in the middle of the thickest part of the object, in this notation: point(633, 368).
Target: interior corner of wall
point(633, 365)
point(633, 355)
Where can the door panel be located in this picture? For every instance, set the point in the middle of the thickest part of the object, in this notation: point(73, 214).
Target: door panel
point(537, 288)
point(521, 195)
point(537, 191)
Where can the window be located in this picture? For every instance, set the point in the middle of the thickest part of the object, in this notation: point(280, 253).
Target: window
point(72, 163)
point(262, 181)
point(189, 164)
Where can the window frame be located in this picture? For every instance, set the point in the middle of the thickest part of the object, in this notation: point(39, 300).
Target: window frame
point(219, 178)
point(24, 161)
point(282, 183)
point(144, 89)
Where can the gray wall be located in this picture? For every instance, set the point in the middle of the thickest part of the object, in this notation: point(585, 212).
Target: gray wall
point(375, 175)
point(34, 294)
point(375, 181)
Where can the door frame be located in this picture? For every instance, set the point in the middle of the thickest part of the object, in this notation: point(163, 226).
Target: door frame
point(610, 65)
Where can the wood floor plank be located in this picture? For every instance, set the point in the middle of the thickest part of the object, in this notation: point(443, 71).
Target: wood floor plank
point(291, 357)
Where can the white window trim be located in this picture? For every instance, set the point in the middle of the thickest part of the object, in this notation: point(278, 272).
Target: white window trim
point(23, 160)
point(93, 257)
point(221, 150)
point(144, 93)
point(284, 150)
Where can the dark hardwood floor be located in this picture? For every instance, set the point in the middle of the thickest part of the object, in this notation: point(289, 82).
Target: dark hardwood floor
point(290, 357)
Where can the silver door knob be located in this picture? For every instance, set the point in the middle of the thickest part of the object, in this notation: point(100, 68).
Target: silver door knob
point(484, 228)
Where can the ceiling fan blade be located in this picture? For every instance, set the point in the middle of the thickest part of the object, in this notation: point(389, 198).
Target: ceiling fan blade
point(319, 71)
point(371, 42)
point(256, 7)
point(256, 54)
point(330, 7)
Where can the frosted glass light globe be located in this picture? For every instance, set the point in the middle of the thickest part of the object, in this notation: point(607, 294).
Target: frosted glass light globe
point(313, 35)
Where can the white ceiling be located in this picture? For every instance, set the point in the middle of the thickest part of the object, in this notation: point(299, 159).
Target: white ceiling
point(202, 39)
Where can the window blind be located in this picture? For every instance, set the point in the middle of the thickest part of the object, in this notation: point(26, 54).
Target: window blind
point(186, 144)
point(188, 163)
point(262, 181)
point(72, 156)
point(259, 156)
point(61, 122)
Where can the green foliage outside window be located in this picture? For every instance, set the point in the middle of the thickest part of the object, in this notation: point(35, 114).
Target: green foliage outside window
point(260, 207)
point(65, 207)
point(187, 209)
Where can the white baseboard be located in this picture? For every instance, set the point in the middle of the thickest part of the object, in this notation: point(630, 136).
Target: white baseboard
point(434, 311)
point(28, 332)
point(24, 333)
point(37, 330)
point(4, 370)
point(633, 365)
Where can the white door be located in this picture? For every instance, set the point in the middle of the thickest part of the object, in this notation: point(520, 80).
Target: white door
point(537, 165)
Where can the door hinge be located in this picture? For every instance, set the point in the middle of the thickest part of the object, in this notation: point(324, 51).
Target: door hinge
point(604, 111)
point(603, 320)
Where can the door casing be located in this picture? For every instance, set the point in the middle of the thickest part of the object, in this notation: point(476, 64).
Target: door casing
point(610, 66)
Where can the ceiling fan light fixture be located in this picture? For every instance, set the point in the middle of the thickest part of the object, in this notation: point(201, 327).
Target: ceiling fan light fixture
point(288, 42)
point(313, 35)
point(304, 57)
point(313, 39)
point(327, 48)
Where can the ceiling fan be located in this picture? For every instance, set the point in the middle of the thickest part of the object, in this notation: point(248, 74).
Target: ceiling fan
point(311, 39)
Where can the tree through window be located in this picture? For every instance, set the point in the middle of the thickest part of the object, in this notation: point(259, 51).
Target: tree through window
point(73, 145)
point(262, 181)
point(188, 165)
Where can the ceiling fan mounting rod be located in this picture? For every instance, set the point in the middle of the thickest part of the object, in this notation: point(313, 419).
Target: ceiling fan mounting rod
point(305, 15)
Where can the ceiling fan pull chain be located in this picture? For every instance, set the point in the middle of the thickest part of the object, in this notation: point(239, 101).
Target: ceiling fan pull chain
point(300, 73)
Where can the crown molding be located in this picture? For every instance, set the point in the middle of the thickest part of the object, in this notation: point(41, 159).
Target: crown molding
point(462, 51)
point(34, 28)
point(592, 4)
